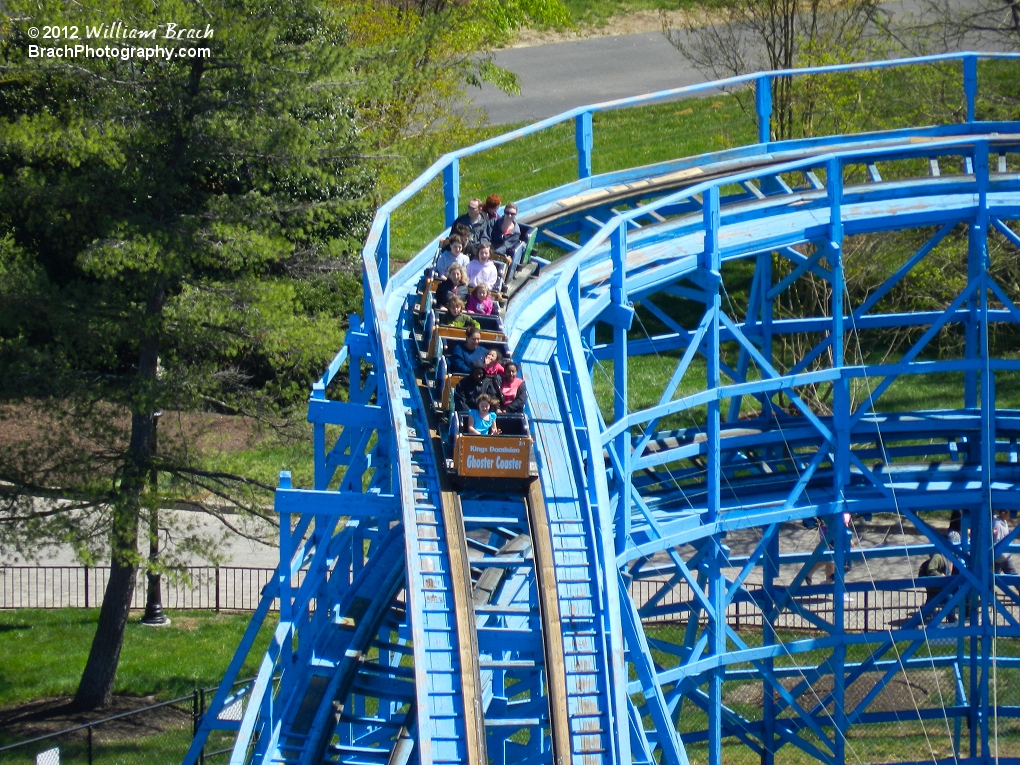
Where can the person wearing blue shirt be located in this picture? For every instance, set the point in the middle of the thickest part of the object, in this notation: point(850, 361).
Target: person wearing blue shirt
point(465, 354)
point(482, 419)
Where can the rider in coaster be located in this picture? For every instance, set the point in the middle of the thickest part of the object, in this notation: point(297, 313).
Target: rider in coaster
point(478, 224)
point(492, 366)
point(482, 270)
point(454, 315)
point(491, 207)
point(512, 391)
point(454, 285)
point(482, 419)
point(506, 232)
point(465, 354)
point(470, 388)
point(480, 302)
point(454, 255)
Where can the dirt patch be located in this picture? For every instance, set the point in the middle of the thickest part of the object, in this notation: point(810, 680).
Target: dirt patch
point(199, 430)
point(47, 716)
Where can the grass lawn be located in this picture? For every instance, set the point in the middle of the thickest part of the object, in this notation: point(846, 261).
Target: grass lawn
point(44, 653)
point(534, 163)
point(263, 460)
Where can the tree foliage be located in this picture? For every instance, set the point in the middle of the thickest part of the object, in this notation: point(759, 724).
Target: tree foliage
point(177, 235)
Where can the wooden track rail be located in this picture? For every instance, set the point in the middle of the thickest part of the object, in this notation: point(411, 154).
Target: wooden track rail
point(552, 636)
point(460, 573)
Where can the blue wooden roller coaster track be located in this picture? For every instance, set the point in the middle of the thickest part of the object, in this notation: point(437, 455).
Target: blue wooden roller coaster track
point(424, 621)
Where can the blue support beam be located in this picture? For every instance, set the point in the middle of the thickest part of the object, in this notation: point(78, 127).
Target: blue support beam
point(583, 140)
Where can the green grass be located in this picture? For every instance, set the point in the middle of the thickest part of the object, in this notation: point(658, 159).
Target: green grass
point(264, 461)
point(529, 165)
point(45, 652)
point(167, 746)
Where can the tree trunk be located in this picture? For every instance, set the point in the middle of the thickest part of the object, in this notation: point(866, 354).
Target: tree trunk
point(96, 685)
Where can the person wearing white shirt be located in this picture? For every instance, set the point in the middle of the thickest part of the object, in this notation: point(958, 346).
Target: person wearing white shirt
point(482, 270)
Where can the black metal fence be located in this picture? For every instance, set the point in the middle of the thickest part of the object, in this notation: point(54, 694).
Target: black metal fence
point(228, 588)
point(236, 588)
point(865, 610)
point(153, 735)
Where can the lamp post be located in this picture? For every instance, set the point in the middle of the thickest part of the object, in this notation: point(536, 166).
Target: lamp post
point(154, 616)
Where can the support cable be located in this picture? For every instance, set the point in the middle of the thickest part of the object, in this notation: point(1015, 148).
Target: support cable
point(880, 441)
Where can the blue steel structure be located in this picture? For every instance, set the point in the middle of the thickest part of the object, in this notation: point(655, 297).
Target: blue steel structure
point(418, 625)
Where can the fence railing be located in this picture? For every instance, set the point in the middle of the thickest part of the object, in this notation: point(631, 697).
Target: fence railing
point(227, 588)
point(237, 588)
point(869, 608)
point(400, 229)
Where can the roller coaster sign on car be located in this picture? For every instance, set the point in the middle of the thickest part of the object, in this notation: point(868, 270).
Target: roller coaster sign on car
point(493, 457)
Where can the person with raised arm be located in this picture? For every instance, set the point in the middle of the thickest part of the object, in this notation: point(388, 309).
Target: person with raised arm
point(492, 366)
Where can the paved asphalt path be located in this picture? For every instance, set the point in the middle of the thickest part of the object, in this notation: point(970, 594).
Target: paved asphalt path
point(560, 76)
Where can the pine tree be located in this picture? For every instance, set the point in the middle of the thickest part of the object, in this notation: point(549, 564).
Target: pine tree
point(168, 230)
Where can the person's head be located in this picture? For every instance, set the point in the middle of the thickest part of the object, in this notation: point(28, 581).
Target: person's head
point(456, 273)
point(484, 253)
point(481, 292)
point(491, 357)
point(459, 229)
point(1004, 515)
point(472, 337)
point(492, 203)
point(509, 370)
point(510, 211)
point(474, 209)
point(455, 305)
point(456, 244)
point(485, 404)
point(478, 371)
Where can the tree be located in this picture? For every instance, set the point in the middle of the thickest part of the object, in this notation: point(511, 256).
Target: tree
point(175, 234)
point(756, 35)
point(979, 25)
point(181, 234)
